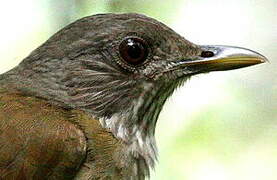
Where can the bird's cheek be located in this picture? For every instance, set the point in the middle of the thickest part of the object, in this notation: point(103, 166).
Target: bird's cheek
point(151, 74)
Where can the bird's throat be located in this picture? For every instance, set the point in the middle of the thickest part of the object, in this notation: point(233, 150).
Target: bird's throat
point(136, 124)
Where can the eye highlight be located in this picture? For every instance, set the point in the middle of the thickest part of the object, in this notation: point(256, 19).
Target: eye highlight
point(133, 50)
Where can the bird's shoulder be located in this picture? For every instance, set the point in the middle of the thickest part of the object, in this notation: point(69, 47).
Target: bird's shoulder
point(37, 139)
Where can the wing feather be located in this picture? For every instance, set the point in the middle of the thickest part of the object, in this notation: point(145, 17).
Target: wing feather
point(37, 141)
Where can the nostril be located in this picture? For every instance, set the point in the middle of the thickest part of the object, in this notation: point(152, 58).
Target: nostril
point(207, 54)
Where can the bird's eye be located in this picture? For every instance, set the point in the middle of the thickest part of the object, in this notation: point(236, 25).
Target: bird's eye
point(206, 54)
point(133, 50)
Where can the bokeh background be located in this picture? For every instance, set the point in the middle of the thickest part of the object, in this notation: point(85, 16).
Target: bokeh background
point(219, 126)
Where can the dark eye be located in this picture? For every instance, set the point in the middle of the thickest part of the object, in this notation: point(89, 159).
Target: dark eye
point(207, 54)
point(133, 50)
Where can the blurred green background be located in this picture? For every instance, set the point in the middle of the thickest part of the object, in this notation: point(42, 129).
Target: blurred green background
point(219, 126)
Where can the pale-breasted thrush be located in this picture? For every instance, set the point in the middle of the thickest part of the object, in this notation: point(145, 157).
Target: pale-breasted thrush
point(84, 105)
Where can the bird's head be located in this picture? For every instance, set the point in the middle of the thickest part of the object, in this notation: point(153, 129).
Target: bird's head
point(121, 68)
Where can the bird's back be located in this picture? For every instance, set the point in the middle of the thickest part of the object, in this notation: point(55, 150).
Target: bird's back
point(36, 139)
point(42, 141)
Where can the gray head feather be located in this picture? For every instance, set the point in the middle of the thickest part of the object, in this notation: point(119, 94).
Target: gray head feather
point(80, 67)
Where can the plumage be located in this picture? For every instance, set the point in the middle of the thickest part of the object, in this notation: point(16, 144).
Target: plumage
point(37, 139)
point(84, 105)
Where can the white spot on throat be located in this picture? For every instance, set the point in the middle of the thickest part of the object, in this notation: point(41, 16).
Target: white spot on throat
point(124, 125)
point(138, 142)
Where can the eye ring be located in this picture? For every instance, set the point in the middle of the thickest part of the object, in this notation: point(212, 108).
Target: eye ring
point(134, 50)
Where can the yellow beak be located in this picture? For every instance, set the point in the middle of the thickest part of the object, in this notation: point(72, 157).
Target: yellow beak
point(221, 58)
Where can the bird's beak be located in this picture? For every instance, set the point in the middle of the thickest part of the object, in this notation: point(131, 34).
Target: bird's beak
point(221, 58)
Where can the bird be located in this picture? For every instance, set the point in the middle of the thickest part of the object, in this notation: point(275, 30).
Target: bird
point(84, 104)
